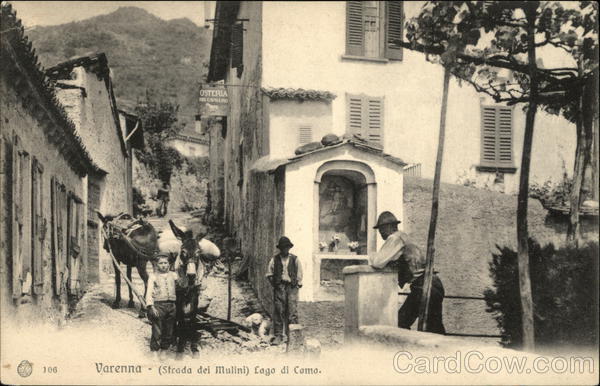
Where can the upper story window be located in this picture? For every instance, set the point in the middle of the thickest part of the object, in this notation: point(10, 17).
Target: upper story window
point(371, 28)
point(364, 116)
point(304, 135)
point(497, 137)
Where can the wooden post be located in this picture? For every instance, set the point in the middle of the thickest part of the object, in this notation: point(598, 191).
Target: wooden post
point(424, 306)
point(228, 287)
point(522, 200)
point(229, 245)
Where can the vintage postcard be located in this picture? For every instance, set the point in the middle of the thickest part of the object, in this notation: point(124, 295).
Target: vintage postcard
point(291, 192)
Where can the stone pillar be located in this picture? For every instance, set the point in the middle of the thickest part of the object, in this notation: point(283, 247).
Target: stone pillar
point(371, 297)
point(295, 341)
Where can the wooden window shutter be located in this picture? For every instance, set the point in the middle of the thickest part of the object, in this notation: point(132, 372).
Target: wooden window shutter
point(355, 34)
point(488, 135)
point(504, 136)
point(54, 234)
point(237, 47)
point(374, 129)
point(496, 136)
point(304, 135)
point(394, 20)
point(39, 227)
point(355, 115)
point(16, 218)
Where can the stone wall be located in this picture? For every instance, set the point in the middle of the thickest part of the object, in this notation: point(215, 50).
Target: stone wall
point(17, 119)
point(262, 229)
point(216, 177)
point(91, 110)
point(244, 142)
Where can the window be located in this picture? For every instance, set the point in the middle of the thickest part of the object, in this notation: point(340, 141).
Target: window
point(304, 135)
point(365, 117)
point(371, 28)
point(496, 137)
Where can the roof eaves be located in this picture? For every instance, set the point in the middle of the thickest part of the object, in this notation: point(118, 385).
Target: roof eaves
point(360, 146)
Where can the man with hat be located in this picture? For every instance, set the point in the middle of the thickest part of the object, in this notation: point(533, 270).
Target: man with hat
point(285, 275)
point(398, 252)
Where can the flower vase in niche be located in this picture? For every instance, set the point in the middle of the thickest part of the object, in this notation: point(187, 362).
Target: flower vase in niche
point(322, 246)
point(334, 243)
point(353, 245)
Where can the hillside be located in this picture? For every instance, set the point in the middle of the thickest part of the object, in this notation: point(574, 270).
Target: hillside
point(143, 52)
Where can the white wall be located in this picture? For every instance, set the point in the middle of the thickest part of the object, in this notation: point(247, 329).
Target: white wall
point(301, 208)
point(287, 116)
point(303, 44)
point(189, 149)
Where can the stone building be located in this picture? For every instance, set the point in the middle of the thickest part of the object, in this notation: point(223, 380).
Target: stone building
point(325, 200)
point(44, 181)
point(297, 71)
point(84, 87)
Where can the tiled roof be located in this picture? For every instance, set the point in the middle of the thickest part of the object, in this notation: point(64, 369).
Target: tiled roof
point(298, 94)
point(265, 164)
point(18, 59)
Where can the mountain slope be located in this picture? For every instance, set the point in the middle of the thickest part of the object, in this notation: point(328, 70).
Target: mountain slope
point(144, 52)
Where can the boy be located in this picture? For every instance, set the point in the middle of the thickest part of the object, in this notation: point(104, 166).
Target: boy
point(160, 300)
point(285, 275)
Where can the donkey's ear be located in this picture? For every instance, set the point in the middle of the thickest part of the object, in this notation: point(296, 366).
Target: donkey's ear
point(176, 231)
point(101, 217)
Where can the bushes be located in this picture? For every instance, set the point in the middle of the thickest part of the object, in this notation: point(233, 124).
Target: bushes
point(564, 289)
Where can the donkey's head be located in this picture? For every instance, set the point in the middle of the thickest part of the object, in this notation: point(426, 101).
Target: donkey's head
point(190, 251)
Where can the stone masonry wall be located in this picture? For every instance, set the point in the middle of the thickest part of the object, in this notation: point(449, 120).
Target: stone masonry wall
point(16, 119)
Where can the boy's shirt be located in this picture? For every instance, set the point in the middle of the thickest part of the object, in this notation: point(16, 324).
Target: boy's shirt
point(285, 276)
point(161, 287)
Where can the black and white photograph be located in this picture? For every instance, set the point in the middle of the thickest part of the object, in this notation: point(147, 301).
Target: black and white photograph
point(299, 192)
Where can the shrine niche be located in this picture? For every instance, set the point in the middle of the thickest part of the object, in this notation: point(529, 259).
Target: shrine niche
point(343, 213)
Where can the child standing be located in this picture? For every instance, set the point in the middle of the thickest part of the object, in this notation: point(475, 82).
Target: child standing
point(160, 300)
point(285, 275)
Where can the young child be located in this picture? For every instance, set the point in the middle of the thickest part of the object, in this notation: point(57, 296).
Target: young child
point(285, 275)
point(160, 300)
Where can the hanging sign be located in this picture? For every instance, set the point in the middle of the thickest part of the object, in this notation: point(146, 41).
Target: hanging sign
point(214, 100)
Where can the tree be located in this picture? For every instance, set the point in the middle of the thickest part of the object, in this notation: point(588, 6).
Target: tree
point(479, 40)
point(159, 120)
point(424, 306)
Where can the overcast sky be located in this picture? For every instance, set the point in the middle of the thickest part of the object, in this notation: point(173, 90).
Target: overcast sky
point(34, 13)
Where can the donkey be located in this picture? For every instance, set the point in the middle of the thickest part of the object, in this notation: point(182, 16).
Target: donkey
point(191, 271)
point(133, 244)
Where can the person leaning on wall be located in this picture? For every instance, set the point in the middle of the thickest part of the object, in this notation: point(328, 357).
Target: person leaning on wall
point(410, 262)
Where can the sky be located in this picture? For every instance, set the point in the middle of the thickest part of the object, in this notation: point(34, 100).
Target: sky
point(42, 13)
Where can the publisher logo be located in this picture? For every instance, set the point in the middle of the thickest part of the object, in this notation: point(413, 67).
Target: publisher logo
point(25, 368)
